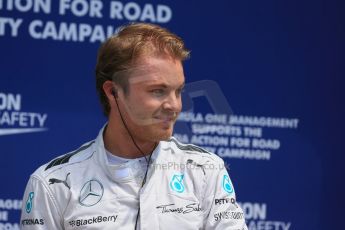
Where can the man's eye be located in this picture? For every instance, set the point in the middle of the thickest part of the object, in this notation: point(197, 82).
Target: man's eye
point(157, 92)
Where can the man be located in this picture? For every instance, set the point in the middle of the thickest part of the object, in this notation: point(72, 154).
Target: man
point(134, 175)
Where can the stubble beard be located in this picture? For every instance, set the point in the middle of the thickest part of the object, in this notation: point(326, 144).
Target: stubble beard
point(157, 132)
point(154, 127)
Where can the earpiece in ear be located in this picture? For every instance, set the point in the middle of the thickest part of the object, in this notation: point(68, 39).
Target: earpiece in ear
point(114, 93)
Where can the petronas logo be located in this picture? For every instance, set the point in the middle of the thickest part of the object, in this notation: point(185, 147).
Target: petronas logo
point(176, 183)
point(227, 186)
point(28, 205)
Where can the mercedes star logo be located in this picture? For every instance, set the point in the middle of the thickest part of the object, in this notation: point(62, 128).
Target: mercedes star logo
point(91, 193)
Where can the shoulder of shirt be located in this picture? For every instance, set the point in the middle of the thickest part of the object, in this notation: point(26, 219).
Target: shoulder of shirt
point(193, 151)
point(79, 155)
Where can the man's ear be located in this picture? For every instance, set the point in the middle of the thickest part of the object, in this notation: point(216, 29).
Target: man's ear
point(110, 90)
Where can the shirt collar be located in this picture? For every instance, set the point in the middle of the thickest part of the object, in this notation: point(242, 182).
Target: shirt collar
point(127, 171)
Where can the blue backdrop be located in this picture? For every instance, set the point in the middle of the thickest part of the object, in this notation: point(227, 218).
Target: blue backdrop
point(264, 92)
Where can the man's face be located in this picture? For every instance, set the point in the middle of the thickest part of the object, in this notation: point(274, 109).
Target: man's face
point(153, 102)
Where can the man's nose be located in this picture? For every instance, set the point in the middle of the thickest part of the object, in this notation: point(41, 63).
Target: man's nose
point(173, 103)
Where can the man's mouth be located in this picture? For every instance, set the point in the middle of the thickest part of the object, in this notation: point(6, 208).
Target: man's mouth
point(165, 119)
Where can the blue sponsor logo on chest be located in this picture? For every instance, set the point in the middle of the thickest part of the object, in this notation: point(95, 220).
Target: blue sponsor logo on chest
point(176, 183)
point(227, 186)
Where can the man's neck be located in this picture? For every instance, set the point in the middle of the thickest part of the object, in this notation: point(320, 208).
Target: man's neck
point(119, 143)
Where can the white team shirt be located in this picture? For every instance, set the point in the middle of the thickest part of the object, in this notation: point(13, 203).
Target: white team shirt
point(186, 188)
